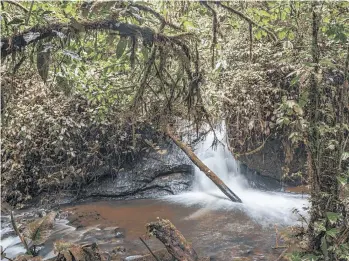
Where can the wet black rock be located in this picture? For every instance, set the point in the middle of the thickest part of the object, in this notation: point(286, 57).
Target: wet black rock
point(154, 176)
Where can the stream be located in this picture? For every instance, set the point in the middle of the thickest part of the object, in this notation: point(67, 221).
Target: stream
point(216, 226)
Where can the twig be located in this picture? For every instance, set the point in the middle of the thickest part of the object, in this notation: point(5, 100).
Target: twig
point(249, 20)
point(278, 247)
point(151, 252)
point(281, 255)
point(143, 84)
point(30, 12)
point(254, 150)
point(156, 14)
point(17, 4)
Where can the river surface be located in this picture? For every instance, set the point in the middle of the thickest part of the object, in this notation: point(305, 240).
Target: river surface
point(216, 226)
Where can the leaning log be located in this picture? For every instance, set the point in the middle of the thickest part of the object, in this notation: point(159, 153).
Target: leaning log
point(173, 240)
point(209, 173)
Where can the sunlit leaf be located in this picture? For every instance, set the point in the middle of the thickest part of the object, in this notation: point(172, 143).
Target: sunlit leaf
point(332, 232)
point(345, 155)
point(332, 217)
point(342, 180)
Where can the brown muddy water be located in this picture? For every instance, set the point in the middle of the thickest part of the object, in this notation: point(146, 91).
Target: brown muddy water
point(117, 225)
point(224, 235)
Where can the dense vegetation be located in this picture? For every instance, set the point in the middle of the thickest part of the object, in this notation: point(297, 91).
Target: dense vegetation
point(81, 81)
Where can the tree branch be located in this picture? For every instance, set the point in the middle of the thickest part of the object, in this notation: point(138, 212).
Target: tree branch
point(249, 20)
point(16, 4)
point(157, 15)
point(17, 42)
point(30, 11)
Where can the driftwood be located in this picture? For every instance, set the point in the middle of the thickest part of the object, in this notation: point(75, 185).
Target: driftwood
point(209, 173)
point(173, 240)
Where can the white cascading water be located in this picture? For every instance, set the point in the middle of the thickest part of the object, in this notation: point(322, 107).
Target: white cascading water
point(264, 207)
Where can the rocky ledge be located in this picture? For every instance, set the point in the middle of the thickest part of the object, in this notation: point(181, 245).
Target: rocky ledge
point(154, 176)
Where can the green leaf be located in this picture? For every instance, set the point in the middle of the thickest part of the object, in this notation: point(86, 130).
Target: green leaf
point(258, 35)
point(332, 217)
point(342, 180)
point(145, 53)
point(310, 257)
point(188, 25)
point(332, 232)
point(264, 13)
point(16, 20)
point(324, 247)
point(76, 25)
point(120, 48)
point(281, 35)
point(345, 155)
point(295, 80)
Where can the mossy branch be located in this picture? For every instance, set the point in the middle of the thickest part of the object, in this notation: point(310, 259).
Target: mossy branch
point(18, 42)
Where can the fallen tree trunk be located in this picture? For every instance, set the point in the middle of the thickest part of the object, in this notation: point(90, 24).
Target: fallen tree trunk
point(173, 240)
point(209, 173)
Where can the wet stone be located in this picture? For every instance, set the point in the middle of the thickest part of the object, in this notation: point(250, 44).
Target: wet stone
point(119, 249)
point(119, 233)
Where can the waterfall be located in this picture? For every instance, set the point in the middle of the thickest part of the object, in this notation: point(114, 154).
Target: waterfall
point(265, 207)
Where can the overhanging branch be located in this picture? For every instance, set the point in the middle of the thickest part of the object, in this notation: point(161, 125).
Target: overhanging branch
point(249, 20)
point(18, 42)
point(16, 4)
point(157, 15)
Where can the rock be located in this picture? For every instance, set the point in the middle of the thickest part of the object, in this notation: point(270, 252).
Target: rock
point(270, 160)
point(154, 176)
point(119, 233)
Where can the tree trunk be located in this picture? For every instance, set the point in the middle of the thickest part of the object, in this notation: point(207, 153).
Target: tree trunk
point(324, 164)
point(209, 173)
point(173, 240)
